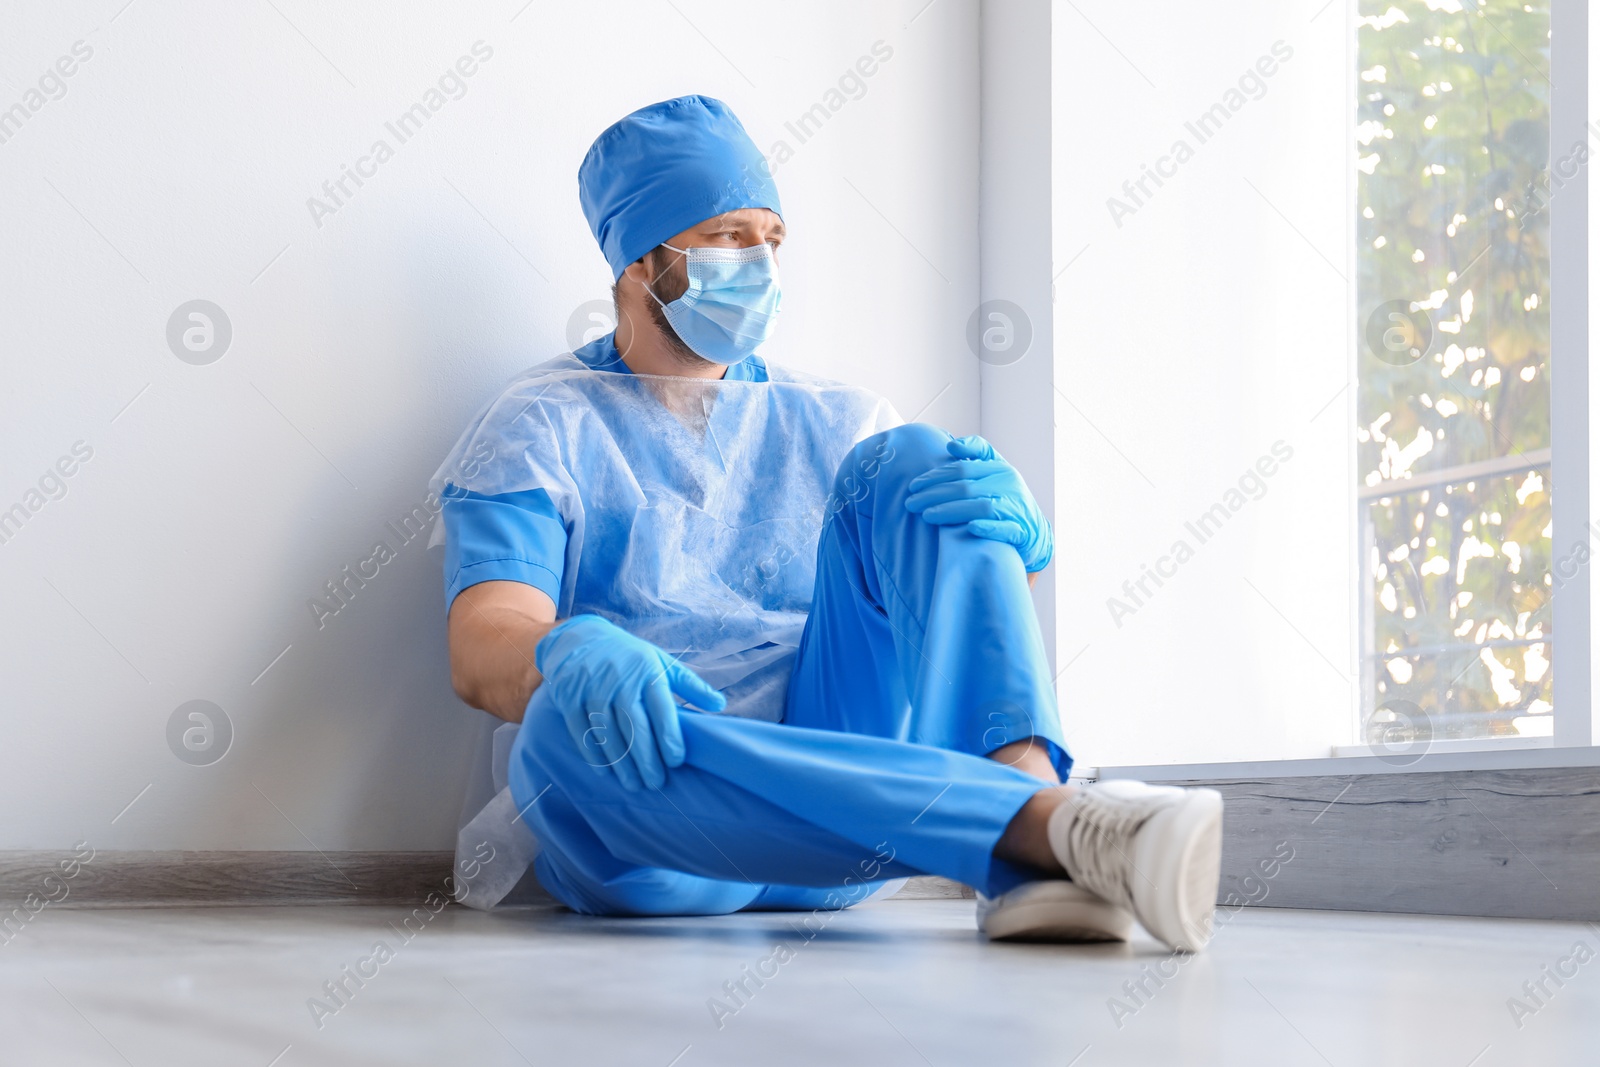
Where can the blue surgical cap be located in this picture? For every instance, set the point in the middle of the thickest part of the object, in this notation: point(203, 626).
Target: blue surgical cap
point(665, 168)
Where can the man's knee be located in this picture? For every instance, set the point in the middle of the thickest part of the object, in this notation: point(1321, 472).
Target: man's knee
point(886, 461)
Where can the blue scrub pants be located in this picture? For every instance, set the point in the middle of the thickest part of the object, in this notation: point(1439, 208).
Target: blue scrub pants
point(921, 654)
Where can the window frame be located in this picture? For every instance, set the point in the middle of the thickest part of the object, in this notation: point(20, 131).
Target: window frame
point(1571, 659)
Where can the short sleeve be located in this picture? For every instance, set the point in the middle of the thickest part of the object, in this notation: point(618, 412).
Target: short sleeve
point(516, 537)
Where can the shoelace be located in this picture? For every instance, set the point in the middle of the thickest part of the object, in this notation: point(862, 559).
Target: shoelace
point(1099, 840)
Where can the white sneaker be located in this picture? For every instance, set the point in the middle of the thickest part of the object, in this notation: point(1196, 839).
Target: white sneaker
point(1055, 910)
point(1155, 850)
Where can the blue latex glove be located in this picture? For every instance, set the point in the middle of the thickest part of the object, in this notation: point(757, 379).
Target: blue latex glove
point(978, 489)
point(615, 693)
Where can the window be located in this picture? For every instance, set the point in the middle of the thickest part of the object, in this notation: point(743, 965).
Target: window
point(1453, 411)
point(1309, 307)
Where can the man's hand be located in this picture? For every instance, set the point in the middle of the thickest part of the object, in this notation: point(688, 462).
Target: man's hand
point(978, 489)
point(615, 693)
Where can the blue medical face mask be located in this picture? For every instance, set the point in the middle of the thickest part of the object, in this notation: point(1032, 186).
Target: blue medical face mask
point(731, 305)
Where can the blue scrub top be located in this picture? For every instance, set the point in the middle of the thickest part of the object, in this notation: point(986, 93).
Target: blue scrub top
point(519, 537)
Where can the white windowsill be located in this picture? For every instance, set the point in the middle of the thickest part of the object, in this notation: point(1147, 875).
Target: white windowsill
point(1482, 744)
point(1518, 755)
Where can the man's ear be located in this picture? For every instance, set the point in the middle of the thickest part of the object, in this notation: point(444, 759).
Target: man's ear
point(636, 272)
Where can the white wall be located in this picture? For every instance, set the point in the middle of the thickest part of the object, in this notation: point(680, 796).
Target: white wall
point(220, 498)
point(1210, 324)
point(1015, 321)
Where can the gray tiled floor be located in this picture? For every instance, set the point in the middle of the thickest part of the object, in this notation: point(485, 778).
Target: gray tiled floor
point(901, 982)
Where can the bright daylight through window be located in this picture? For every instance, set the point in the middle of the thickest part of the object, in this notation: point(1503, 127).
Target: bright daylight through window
point(1453, 409)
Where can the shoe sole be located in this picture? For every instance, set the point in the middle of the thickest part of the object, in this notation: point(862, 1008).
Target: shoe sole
point(1053, 916)
point(1178, 868)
